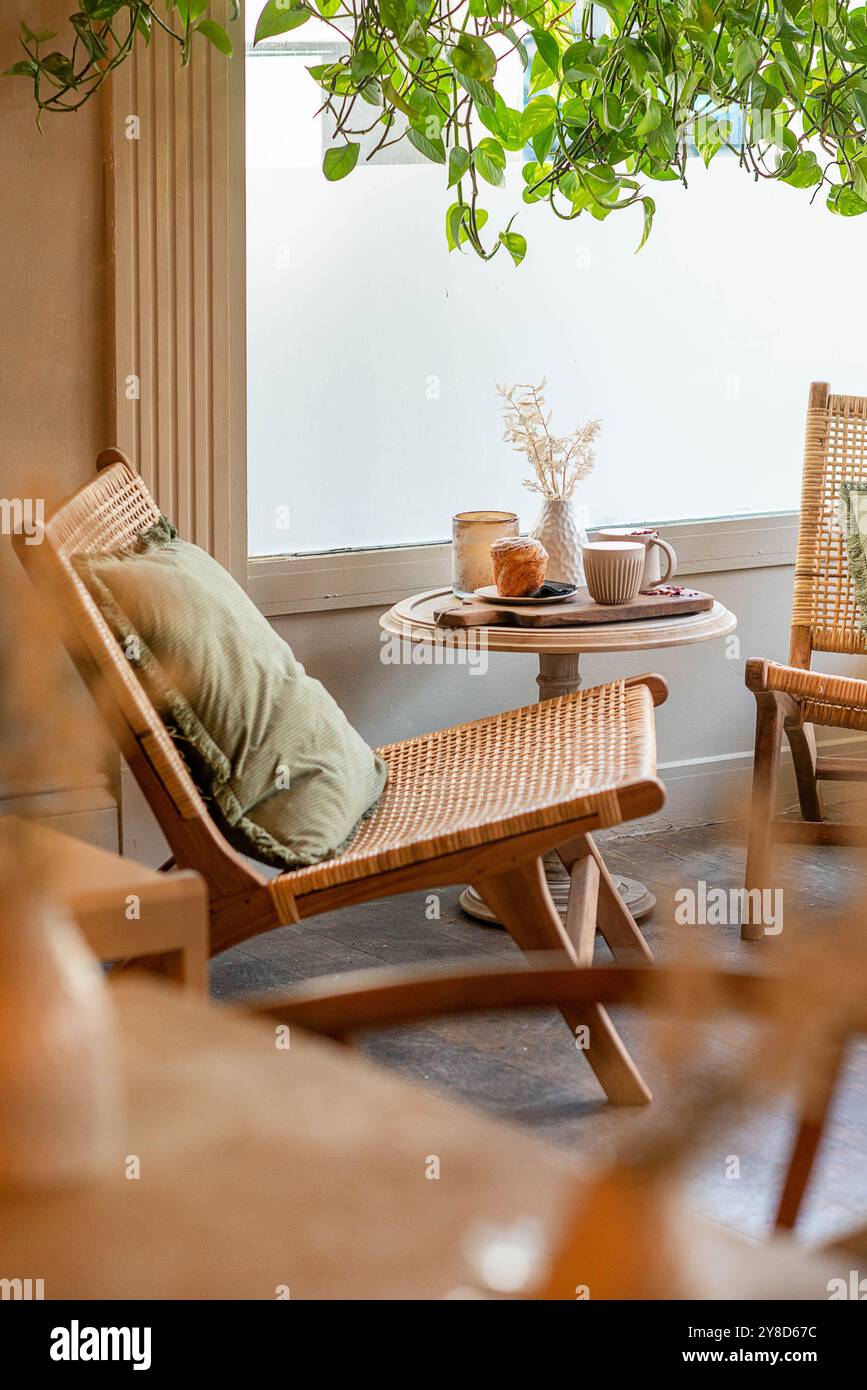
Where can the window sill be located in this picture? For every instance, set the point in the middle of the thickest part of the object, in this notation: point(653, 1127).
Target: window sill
point(284, 584)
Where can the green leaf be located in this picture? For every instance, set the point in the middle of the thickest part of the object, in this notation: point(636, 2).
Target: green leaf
point(340, 160)
point(821, 10)
point(395, 98)
point(846, 202)
point(803, 171)
point(542, 144)
point(662, 142)
point(278, 18)
point(541, 76)
point(26, 68)
point(414, 41)
point(538, 115)
point(503, 122)
point(651, 118)
point(546, 46)
point(637, 58)
point(489, 159)
point(746, 59)
point(102, 9)
point(515, 244)
point(456, 223)
point(531, 174)
point(60, 68)
point(432, 149)
point(859, 100)
point(189, 10)
point(712, 138)
point(474, 58)
point(364, 64)
point(579, 62)
point(92, 42)
point(216, 34)
point(394, 15)
point(459, 163)
point(482, 93)
point(333, 77)
point(455, 218)
point(649, 210)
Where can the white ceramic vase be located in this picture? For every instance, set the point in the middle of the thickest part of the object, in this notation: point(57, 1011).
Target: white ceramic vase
point(558, 529)
point(60, 1103)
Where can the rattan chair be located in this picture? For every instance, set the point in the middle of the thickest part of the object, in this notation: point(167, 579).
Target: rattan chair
point(481, 801)
point(825, 618)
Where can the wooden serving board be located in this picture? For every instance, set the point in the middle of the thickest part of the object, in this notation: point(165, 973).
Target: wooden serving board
point(573, 612)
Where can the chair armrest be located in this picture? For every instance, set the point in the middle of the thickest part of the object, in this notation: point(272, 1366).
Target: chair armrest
point(656, 684)
point(769, 677)
point(170, 936)
point(387, 998)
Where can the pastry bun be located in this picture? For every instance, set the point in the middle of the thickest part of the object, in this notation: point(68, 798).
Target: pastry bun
point(520, 564)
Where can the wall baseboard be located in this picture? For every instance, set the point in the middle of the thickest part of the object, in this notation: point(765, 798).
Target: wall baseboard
point(711, 790)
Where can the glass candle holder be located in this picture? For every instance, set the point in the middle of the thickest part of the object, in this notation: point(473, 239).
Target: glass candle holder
point(473, 533)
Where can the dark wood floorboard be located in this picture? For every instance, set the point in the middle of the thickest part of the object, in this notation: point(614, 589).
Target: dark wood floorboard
point(524, 1069)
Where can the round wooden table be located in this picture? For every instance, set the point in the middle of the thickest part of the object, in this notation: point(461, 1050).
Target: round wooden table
point(559, 651)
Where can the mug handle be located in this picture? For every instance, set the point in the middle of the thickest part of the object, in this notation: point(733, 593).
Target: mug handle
point(672, 562)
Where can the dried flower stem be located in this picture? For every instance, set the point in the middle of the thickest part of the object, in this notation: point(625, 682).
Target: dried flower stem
point(559, 462)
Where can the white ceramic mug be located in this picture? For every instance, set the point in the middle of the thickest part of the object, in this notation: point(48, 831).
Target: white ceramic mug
point(613, 570)
point(653, 543)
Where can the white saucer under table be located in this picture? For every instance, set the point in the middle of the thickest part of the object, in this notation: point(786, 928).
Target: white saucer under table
point(559, 651)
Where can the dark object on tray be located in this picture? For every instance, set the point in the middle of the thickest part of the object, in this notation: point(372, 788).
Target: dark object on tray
point(581, 610)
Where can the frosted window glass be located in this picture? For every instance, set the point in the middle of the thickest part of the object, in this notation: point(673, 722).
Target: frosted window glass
point(373, 353)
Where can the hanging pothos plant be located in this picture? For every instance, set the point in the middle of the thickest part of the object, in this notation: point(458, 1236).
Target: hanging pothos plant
point(618, 92)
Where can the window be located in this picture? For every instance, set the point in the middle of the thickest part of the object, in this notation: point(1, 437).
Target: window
point(373, 353)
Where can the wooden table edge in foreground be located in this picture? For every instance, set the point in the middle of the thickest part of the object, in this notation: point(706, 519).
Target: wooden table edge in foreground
point(308, 1172)
point(559, 651)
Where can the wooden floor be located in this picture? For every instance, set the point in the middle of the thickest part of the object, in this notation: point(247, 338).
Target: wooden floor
point(524, 1068)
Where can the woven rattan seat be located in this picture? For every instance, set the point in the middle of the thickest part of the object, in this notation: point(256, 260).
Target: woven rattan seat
point(483, 800)
point(826, 617)
point(528, 769)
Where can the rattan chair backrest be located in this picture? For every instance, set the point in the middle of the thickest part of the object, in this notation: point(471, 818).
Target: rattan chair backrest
point(825, 612)
point(108, 514)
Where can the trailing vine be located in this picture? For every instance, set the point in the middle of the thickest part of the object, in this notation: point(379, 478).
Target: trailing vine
point(618, 92)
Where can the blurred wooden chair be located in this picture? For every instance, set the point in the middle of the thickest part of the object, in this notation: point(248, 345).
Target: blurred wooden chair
point(480, 802)
point(792, 699)
point(388, 998)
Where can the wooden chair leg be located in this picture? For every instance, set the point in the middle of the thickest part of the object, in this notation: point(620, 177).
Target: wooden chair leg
point(769, 732)
point(811, 1126)
point(619, 928)
point(802, 741)
point(520, 898)
point(582, 907)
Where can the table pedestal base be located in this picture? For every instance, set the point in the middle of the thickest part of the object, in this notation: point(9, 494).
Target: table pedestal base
point(638, 899)
point(559, 675)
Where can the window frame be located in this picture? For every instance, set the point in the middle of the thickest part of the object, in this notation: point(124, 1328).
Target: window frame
point(187, 178)
point(338, 579)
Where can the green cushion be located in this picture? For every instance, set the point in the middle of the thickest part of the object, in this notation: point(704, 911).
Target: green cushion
point(284, 773)
point(853, 522)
